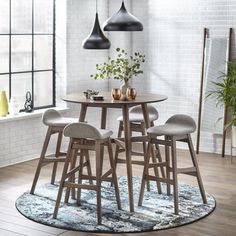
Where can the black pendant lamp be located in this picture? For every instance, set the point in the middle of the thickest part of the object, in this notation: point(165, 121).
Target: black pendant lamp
point(96, 39)
point(122, 21)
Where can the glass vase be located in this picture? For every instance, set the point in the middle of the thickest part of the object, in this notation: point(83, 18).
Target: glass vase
point(123, 89)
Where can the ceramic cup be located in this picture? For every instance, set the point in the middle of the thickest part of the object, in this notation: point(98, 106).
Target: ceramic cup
point(116, 94)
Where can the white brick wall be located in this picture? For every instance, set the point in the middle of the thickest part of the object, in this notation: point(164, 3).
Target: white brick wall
point(172, 41)
point(81, 63)
point(22, 140)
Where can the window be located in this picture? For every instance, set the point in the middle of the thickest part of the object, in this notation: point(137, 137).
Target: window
point(27, 50)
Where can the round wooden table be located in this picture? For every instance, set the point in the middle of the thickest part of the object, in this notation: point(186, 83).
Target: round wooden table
point(142, 99)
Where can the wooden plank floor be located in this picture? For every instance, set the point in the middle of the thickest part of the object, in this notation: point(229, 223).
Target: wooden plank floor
point(219, 178)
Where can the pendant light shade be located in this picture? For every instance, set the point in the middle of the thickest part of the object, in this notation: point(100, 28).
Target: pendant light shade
point(96, 39)
point(123, 21)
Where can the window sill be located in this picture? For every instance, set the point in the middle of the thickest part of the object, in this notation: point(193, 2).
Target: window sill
point(24, 115)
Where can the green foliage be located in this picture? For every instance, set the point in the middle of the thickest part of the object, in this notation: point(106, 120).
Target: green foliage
point(225, 91)
point(123, 67)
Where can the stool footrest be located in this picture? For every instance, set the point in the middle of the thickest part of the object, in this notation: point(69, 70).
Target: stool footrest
point(132, 153)
point(62, 154)
point(188, 171)
point(83, 146)
point(90, 177)
point(121, 150)
point(159, 164)
point(142, 138)
point(109, 172)
point(120, 143)
point(132, 161)
point(161, 142)
point(49, 160)
point(139, 154)
point(84, 186)
point(73, 171)
point(154, 178)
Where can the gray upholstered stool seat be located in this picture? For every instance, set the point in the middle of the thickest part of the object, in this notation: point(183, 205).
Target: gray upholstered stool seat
point(52, 117)
point(176, 125)
point(177, 128)
point(84, 138)
point(55, 123)
point(86, 131)
point(136, 114)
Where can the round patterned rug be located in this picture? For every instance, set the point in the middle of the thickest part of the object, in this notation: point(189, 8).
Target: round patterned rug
point(157, 212)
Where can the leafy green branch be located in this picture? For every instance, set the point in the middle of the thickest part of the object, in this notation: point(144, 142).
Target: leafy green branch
point(225, 91)
point(123, 67)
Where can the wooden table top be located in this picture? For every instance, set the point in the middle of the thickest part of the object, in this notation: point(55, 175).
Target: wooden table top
point(141, 98)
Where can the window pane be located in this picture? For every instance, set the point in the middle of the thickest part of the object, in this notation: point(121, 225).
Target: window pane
point(4, 54)
point(21, 16)
point(4, 83)
point(4, 16)
point(21, 83)
point(43, 16)
point(21, 53)
point(43, 52)
point(43, 89)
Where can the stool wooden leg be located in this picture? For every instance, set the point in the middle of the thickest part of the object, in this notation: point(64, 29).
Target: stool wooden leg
point(231, 153)
point(156, 172)
point(57, 154)
point(158, 156)
point(63, 177)
point(117, 146)
point(194, 160)
point(89, 170)
point(114, 176)
point(41, 159)
point(143, 131)
point(101, 158)
point(73, 164)
point(98, 181)
point(81, 162)
point(145, 173)
point(167, 155)
point(72, 177)
point(175, 181)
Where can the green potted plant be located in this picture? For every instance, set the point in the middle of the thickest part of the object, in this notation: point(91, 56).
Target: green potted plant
point(225, 94)
point(122, 68)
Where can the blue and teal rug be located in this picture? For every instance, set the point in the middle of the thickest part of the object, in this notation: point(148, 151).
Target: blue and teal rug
point(157, 212)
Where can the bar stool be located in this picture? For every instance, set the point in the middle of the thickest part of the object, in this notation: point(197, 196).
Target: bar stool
point(56, 124)
point(177, 128)
point(85, 137)
point(137, 125)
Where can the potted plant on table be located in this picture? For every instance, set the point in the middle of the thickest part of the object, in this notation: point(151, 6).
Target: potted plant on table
point(122, 68)
point(225, 94)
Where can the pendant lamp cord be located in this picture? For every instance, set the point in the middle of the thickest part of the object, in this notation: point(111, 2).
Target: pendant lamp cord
point(96, 6)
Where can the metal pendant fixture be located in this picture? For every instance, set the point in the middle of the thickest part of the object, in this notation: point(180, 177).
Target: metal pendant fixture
point(96, 39)
point(122, 21)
